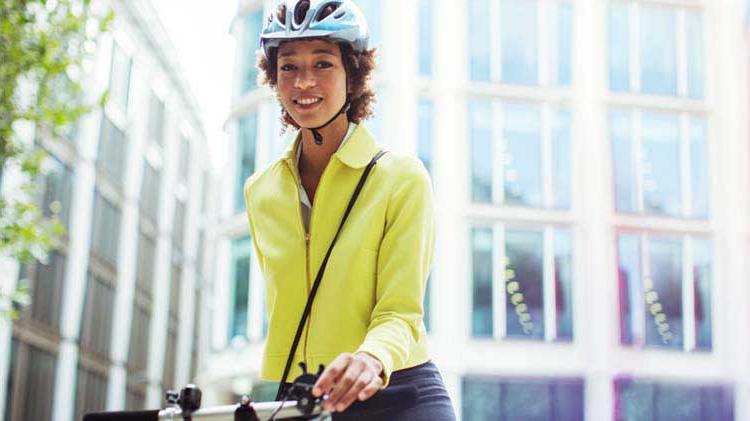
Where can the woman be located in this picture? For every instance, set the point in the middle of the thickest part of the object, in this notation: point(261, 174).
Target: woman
point(366, 323)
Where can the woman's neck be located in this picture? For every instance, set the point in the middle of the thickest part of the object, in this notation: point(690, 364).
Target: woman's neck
point(314, 158)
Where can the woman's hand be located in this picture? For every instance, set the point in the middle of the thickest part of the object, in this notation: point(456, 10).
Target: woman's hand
point(347, 378)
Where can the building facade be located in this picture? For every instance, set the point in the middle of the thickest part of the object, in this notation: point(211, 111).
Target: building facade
point(116, 310)
point(589, 161)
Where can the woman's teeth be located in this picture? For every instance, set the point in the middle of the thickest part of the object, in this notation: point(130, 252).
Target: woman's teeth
point(308, 101)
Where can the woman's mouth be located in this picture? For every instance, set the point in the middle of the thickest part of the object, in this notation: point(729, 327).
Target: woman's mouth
point(307, 103)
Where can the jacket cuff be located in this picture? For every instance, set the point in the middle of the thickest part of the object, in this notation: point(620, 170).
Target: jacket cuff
point(385, 360)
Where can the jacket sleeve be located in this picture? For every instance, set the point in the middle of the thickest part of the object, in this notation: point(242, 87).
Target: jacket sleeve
point(404, 261)
point(259, 255)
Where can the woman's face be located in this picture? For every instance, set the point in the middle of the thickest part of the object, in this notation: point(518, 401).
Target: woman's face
point(311, 80)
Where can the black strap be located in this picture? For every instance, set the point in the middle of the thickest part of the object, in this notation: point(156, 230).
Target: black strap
point(319, 277)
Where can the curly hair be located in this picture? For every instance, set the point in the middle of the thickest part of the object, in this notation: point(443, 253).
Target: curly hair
point(359, 67)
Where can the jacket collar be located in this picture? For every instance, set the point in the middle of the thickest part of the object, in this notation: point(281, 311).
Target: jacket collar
point(356, 152)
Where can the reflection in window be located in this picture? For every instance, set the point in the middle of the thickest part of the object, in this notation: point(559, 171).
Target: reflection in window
point(524, 282)
point(509, 141)
point(649, 400)
point(652, 274)
point(156, 120)
point(246, 144)
point(486, 398)
point(522, 154)
point(91, 392)
point(657, 49)
point(96, 322)
point(654, 184)
point(253, 24)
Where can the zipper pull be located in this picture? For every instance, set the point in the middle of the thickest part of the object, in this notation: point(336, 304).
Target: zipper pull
point(307, 238)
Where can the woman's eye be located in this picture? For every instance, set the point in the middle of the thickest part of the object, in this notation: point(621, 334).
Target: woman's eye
point(287, 67)
point(324, 65)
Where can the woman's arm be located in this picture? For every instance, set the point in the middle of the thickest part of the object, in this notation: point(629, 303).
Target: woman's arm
point(404, 261)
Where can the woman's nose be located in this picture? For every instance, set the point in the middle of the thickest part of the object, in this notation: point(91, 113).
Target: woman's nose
point(305, 79)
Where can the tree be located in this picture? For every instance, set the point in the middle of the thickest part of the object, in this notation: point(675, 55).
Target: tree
point(45, 48)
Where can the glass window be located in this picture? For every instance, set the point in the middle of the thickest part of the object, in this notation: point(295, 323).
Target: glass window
point(140, 327)
point(480, 135)
point(96, 322)
point(619, 46)
point(637, 400)
point(564, 284)
point(426, 18)
point(523, 282)
point(652, 274)
point(91, 393)
point(170, 355)
point(11, 378)
point(564, 43)
point(657, 47)
point(699, 168)
point(522, 158)
point(246, 144)
point(702, 282)
point(481, 320)
point(119, 78)
point(110, 159)
point(46, 293)
point(425, 132)
point(240, 297)
point(175, 289)
point(658, 54)
point(184, 164)
point(623, 162)
point(253, 25)
point(178, 229)
point(58, 188)
point(145, 263)
point(661, 171)
point(654, 184)
point(696, 71)
point(149, 200)
point(40, 383)
point(156, 120)
point(515, 141)
point(518, 42)
point(105, 231)
point(561, 159)
point(522, 399)
point(479, 40)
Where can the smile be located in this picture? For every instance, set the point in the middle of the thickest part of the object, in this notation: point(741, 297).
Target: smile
point(307, 101)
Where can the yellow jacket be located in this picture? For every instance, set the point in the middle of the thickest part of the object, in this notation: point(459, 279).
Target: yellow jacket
point(370, 297)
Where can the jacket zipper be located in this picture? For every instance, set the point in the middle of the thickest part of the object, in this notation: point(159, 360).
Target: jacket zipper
point(307, 246)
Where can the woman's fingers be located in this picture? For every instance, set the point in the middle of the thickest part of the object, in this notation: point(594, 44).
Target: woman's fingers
point(370, 389)
point(352, 394)
point(345, 382)
point(331, 374)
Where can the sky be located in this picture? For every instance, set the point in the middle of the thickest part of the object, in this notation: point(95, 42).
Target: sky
point(199, 30)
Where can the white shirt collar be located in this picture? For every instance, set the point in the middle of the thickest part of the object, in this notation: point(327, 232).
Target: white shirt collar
point(302, 193)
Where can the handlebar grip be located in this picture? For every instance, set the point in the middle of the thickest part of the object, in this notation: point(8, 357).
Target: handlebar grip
point(390, 399)
point(123, 416)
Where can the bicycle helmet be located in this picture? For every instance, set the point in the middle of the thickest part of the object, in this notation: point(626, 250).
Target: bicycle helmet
point(337, 20)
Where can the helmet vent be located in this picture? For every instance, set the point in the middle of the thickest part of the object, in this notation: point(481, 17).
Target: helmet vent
point(281, 14)
point(326, 11)
point(301, 11)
